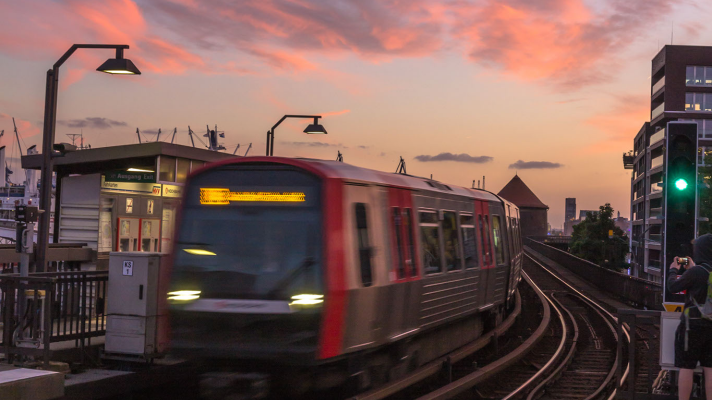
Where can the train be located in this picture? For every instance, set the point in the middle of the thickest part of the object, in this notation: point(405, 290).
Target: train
point(325, 274)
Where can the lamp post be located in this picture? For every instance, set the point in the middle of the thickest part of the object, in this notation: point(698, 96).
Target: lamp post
point(117, 65)
point(310, 129)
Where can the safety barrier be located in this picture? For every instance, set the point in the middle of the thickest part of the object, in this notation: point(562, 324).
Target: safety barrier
point(635, 291)
point(59, 306)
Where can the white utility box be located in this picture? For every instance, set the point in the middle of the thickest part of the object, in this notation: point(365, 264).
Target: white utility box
point(135, 318)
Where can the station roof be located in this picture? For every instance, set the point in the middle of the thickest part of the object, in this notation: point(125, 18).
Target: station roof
point(519, 193)
point(112, 157)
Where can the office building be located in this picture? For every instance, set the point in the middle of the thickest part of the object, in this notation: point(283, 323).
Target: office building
point(680, 89)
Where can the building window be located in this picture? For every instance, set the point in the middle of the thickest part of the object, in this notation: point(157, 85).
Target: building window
point(704, 127)
point(429, 229)
point(696, 75)
point(168, 169)
point(182, 170)
point(698, 101)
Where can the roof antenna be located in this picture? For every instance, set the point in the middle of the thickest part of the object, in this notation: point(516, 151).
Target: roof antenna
point(478, 184)
point(190, 133)
point(159, 134)
point(483, 182)
point(139, 135)
point(431, 177)
point(473, 183)
point(175, 130)
point(236, 149)
point(401, 167)
point(248, 150)
point(339, 156)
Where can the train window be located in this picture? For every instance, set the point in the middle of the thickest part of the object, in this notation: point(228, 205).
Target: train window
point(483, 238)
point(469, 242)
point(431, 242)
point(452, 241)
point(364, 249)
point(410, 257)
point(498, 239)
point(400, 272)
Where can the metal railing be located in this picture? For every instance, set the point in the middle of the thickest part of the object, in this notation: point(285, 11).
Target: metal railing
point(635, 291)
point(644, 351)
point(60, 257)
point(60, 306)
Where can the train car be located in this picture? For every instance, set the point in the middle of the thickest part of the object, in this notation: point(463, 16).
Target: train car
point(324, 272)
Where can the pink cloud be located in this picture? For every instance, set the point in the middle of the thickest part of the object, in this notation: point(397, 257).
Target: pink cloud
point(565, 43)
point(620, 123)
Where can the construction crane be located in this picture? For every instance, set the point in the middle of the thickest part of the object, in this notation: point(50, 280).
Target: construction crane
point(212, 136)
point(17, 135)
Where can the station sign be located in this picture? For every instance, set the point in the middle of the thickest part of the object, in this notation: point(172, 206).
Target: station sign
point(124, 176)
point(171, 190)
point(145, 188)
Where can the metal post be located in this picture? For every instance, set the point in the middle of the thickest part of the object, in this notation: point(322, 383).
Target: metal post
point(267, 149)
point(271, 143)
point(46, 177)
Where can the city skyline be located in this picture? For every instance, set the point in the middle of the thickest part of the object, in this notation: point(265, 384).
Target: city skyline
point(553, 91)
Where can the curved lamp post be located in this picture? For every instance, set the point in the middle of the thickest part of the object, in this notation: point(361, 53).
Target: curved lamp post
point(117, 65)
point(314, 128)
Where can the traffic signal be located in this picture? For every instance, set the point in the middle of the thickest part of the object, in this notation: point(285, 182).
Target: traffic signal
point(680, 192)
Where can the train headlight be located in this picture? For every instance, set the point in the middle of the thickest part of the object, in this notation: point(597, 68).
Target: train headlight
point(307, 299)
point(184, 295)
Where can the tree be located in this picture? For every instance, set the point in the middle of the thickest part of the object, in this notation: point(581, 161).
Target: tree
point(591, 242)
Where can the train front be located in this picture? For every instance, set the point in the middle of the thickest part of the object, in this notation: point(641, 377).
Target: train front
point(247, 280)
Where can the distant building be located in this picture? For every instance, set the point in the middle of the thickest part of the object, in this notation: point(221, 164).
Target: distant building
point(570, 212)
point(532, 212)
point(681, 89)
point(583, 213)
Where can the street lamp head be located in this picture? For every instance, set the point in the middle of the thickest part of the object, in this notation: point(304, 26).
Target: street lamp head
point(119, 65)
point(316, 127)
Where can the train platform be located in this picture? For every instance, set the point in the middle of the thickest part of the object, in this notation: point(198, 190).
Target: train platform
point(29, 384)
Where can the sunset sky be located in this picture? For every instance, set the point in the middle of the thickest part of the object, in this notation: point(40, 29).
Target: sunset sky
point(554, 90)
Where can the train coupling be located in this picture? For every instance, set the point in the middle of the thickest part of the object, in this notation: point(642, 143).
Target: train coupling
point(234, 386)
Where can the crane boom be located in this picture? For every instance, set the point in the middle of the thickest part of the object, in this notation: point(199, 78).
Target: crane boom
point(17, 135)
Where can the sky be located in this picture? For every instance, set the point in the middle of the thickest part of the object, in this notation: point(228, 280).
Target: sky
point(552, 90)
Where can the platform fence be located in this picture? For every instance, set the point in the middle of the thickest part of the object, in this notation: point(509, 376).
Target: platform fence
point(637, 292)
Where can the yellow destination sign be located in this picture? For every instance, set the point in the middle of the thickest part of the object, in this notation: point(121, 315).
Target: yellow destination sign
point(218, 196)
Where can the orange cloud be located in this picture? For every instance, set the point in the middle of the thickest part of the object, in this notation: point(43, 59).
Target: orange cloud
point(620, 124)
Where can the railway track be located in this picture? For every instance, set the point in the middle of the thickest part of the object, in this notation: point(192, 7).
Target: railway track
point(570, 355)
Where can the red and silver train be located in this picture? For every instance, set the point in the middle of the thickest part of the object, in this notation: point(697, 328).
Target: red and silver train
point(328, 270)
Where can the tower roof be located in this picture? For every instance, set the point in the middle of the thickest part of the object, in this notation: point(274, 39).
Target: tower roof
point(519, 193)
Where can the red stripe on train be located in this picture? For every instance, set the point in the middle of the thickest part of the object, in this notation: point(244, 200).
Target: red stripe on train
point(332, 325)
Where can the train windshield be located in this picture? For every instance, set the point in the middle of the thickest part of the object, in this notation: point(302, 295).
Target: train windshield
point(250, 232)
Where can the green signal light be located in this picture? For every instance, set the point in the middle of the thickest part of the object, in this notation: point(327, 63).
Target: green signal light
point(681, 184)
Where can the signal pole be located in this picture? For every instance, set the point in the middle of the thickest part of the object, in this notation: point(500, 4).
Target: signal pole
point(680, 197)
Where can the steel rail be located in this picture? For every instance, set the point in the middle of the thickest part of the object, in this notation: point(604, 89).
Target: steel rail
point(436, 366)
point(602, 310)
point(569, 356)
point(501, 364)
point(549, 364)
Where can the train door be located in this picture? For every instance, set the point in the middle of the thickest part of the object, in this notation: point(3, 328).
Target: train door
point(487, 275)
point(363, 226)
point(403, 273)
